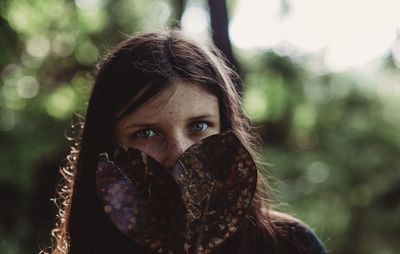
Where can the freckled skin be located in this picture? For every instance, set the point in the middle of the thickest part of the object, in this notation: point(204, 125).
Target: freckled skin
point(169, 116)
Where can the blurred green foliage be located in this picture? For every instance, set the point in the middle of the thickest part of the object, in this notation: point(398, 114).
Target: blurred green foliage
point(331, 139)
point(333, 142)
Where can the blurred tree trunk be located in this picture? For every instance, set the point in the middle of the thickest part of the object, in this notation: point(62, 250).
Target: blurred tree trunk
point(178, 9)
point(220, 35)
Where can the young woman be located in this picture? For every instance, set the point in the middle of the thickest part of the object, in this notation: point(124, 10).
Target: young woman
point(162, 93)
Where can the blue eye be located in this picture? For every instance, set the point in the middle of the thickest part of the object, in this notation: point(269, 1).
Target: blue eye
point(199, 126)
point(146, 133)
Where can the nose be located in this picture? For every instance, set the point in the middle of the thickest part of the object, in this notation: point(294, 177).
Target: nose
point(175, 146)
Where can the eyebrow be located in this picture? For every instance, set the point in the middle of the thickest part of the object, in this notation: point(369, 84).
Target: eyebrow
point(191, 119)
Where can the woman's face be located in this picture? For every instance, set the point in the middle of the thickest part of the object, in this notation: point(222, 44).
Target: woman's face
point(169, 123)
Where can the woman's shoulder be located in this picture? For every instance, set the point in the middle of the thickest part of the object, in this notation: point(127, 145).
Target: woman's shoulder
point(290, 231)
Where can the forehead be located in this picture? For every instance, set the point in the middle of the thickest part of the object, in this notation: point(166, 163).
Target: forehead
point(178, 101)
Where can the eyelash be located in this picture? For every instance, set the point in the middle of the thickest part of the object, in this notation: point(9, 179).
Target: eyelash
point(140, 132)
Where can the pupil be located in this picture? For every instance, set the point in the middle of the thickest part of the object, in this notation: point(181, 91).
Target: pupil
point(198, 126)
point(145, 133)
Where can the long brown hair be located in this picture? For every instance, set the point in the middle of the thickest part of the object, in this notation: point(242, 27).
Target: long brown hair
point(153, 60)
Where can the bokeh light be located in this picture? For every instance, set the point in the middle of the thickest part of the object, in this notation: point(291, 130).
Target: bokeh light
point(38, 46)
point(61, 102)
point(195, 21)
point(255, 104)
point(27, 87)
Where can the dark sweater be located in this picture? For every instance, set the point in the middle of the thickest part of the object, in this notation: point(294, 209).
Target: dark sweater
point(311, 241)
point(290, 237)
point(285, 236)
